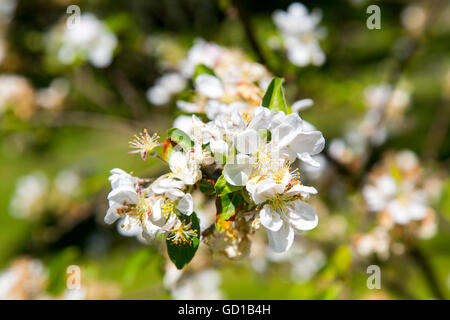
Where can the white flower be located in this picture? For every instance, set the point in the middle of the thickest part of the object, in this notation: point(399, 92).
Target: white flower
point(201, 286)
point(183, 123)
point(209, 86)
point(380, 193)
point(293, 141)
point(397, 189)
point(90, 38)
point(166, 87)
point(301, 105)
point(238, 172)
point(29, 197)
point(202, 52)
point(123, 196)
point(282, 210)
point(300, 34)
point(183, 168)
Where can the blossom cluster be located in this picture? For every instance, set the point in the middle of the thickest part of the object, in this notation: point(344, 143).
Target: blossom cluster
point(232, 81)
point(89, 39)
point(386, 108)
point(301, 34)
point(245, 159)
point(36, 196)
point(401, 195)
point(28, 278)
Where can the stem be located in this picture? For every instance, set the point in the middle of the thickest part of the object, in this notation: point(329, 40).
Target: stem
point(428, 273)
point(245, 20)
point(437, 131)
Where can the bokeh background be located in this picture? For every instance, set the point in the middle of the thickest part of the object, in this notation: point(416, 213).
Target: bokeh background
point(69, 123)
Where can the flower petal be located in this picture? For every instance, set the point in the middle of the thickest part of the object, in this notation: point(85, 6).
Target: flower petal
point(209, 86)
point(270, 219)
point(123, 194)
point(186, 204)
point(281, 240)
point(311, 142)
point(303, 217)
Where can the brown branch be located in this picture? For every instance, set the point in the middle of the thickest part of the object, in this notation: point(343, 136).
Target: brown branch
point(246, 23)
point(437, 131)
point(428, 273)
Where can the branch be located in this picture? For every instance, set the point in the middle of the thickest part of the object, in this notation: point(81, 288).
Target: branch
point(428, 273)
point(245, 20)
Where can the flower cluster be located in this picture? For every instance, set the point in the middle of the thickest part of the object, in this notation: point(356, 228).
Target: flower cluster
point(17, 95)
point(243, 158)
point(385, 114)
point(400, 194)
point(63, 200)
point(301, 34)
point(229, 81)
point(28, 278)
point(88, 40)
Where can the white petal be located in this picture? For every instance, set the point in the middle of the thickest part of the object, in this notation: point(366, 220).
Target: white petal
point(209, 86)
point(247, 142)
point(265, 190)
point(301, 105)
point(123, 195)
point(298, 188)
point(150, 231)
point(112, 215)
point(311, 142)
point(270, 219)
point(303, 217)
point(306, 157)
point(237, 173)
point(156, 215)
point(281, 240)
point(186, 205)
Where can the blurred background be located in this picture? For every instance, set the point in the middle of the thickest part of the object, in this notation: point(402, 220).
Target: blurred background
point(70, 102)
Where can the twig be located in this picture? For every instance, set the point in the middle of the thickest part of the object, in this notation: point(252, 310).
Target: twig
point(128, 93)
point(438, 130)
point(88, 119)
point(246, 23)
point(427, 271)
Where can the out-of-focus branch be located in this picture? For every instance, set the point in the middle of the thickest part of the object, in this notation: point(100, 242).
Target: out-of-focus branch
point(427, 270)
point(89, 119)
point(128, 93)
point(246, 23)
point(438, 130)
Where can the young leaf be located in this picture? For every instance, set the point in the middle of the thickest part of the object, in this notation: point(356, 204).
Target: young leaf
point(207, 186)
point(202, 69)
point(222, 187)
point(274, 96)
point(181, 138)
point(182, 253)
point(227, 206)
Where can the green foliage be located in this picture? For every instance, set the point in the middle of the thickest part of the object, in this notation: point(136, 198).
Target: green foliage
point(58, 268)
point(202, 69)
point(228, 205)
point(207, 187)
point(222, 187)
point(180, 138)
point(274, 96)
point(182, 253)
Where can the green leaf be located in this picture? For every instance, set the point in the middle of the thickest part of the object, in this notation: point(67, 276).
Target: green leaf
point(265, 135)
point(181, 254)
point(274, 96)
point(207, 186)
point(227, 206)
point(202, 69)
point(339, 263)
point(222, 187)
point(181, 138)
